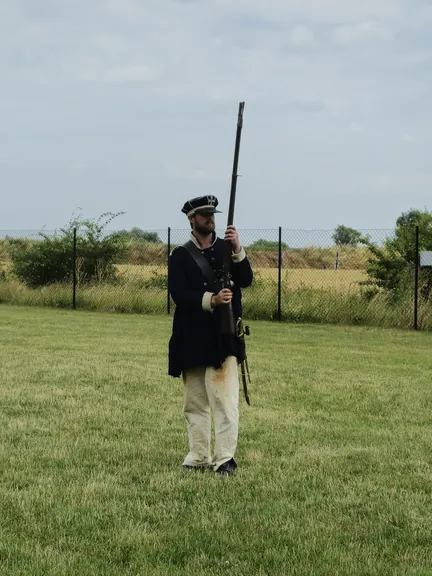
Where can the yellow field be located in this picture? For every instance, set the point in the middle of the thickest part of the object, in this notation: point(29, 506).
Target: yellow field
point(344, 280)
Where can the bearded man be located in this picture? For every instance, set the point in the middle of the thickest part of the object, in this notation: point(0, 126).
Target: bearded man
point(206, 359)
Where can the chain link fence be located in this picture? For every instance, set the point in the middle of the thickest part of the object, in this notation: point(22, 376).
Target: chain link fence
point(299, 275)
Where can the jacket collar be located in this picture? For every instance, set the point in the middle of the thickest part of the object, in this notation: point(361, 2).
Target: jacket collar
point(195, 241)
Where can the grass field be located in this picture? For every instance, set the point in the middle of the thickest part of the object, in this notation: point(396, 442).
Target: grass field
point(309, 295)
point(334, 454)
point(342, 280)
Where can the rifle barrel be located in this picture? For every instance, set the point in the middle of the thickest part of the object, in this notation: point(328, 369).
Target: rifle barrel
point(235, 164)
point(228, 326)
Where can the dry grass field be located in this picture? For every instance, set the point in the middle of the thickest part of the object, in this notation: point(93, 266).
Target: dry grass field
point(343, 280)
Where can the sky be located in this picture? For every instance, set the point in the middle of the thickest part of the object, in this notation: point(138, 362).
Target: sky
point(131, 106)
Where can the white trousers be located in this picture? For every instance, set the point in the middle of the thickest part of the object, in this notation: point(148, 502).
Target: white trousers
point(210, 391)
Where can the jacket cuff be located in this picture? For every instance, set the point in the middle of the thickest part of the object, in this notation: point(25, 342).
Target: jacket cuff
point(239, 257)
point(206, 302)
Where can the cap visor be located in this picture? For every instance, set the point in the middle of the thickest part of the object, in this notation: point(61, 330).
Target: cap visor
point(208, 211)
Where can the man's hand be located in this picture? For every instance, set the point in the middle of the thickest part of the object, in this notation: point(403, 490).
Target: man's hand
point(223, 297)
point(231, 235)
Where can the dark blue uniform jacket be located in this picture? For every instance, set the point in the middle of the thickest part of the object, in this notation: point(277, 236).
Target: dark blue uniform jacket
point(196, 336)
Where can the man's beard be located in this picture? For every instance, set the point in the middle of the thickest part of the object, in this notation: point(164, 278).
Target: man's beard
point(205, 229)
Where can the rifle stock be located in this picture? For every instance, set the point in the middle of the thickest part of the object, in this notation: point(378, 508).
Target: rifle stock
point(228, 324)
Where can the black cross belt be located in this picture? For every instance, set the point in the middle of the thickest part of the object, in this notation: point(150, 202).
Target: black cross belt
point(202, 262)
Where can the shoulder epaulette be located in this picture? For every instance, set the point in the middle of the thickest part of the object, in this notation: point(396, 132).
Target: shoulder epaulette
point(174, 249)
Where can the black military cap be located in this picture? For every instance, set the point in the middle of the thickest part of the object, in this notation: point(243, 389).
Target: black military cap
point(201, 204)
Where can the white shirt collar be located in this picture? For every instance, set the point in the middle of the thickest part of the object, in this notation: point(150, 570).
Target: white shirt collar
point(195, 241)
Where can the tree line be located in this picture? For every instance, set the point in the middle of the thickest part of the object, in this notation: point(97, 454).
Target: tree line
point(389, 266)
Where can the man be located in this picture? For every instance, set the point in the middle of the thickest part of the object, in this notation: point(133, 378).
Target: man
point(207, 361)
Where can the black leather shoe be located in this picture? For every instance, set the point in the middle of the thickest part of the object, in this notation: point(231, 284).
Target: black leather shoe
point(227, 468)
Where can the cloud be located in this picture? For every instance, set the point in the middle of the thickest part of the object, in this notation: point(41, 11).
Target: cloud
point(307, 105)
point(197, 50)
point(357, 128)
point(301, 36)
point(323, 12)
point(408, 138)
point(361, 31)
point(131, 73)
point(128, 88)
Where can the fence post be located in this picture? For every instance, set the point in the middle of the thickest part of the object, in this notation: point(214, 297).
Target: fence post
point(168, 254)
point(416, 276)
point(279, 312)
point(74, 258)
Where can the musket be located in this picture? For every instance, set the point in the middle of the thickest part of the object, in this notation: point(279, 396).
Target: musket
point(229, 327)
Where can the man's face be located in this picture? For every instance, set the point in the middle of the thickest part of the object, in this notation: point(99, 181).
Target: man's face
point(204, 223)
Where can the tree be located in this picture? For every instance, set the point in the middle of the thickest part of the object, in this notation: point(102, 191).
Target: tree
point(392, 266)
point(267, 245)
point(344, 236)
point(138, 235)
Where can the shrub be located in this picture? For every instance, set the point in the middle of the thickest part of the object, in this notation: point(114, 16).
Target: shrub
point(43, 262)
point(266, 245)
point(392, 266)
point(50, 260)
point(138, 235)
point(4, 249)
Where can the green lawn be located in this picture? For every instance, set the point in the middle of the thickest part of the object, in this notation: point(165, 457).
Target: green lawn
point(334, 454)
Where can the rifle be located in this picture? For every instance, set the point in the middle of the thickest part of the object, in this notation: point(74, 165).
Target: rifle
point(228, 327)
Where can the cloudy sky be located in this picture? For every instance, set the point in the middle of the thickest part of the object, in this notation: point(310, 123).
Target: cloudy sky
point(131, 105)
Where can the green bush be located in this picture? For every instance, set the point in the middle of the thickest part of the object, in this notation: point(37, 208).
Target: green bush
point(266, 245)
point(46, 261)
point(392, 266)
point(4, 249)
point(138, 235)
point(50, 259)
